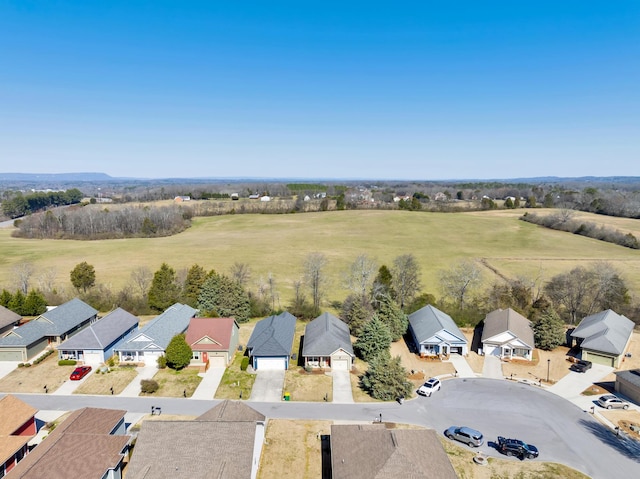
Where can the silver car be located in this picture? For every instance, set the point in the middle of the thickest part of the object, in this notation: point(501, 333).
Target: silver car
point(465, 434)
point(609, 401)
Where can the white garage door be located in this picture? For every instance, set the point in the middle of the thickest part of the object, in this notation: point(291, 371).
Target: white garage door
point(271, 363)
point(217, 362)
point(91, 357)
point(151, 357)
point(340, 364)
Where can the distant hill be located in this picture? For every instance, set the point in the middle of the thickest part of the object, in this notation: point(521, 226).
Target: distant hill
point(54, 177)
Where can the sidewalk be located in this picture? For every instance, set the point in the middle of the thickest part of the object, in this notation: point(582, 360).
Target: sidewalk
point(209, 384)
point(133, 389)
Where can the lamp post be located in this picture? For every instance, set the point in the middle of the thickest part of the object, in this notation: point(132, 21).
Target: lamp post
point(548, 366)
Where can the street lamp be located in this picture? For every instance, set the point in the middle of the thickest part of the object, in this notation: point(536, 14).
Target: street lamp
point(548, 366)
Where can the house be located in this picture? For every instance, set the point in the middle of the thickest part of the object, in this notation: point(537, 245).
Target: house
point(603, 337)
point(94, 345)
point(8, 319)
point(435, 333)
point(628, 384)
point(265, 198)
point(91, 442)
point(48, 329)
point(360, 451)
point(327, 344)
point(224, 442)
point(507, 334)
point(271, 341)
point(212, 340)
point(17, 427)
point(151, 341)
point(180, 199)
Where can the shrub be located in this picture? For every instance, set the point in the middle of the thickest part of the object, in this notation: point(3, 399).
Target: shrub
point(162, 362)
point(111, 362)
point(67, 362)
point(27, 365)
point(245, 363)
point(149, 386)
point(20, 365)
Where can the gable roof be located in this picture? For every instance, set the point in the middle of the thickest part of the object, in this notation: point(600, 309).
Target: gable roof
point(428, 321)
point(219, 330)
point(273, 336)
point(193, 450)
point(508, 320)
point(82, 443)
point(606, 331)
point(56, 322)
point(229, 410)
point(8, 317)
point(373, 451)
point(103, 332)
point(13, 414)
point(160, 330)
point(325, 335)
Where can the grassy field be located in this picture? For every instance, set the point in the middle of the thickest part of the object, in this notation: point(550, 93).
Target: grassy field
point(101, 383)
point(280, 243)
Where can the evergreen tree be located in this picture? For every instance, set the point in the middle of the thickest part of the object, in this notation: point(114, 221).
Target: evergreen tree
point(374, 339)
point(178, 353)
point(221, 296)
point(196, 276)
point(548, 330)
point(17, 303)
point(382, 284)
point(5, 298)
point(392, 315)
point(386, 378)
point(164, 290)
point(34, 304)
point(356, 313)
point(83, 276)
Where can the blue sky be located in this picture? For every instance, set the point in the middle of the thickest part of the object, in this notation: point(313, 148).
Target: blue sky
point(379, 90)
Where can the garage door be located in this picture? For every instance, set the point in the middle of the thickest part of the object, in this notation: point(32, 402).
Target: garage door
point(151, 357)
point(217, 362)
point(340, 364)
point(598, 359)
point(91, 357)
point(10, 356)
point(271, 363)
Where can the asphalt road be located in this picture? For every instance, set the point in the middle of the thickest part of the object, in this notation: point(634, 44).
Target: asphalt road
point(562, 432)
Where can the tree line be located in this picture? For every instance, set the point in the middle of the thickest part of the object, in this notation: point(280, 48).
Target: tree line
point(18, 204)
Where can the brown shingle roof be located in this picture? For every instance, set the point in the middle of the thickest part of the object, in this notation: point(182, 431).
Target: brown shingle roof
point(229, 410)
point(13, 414)
point(502, 320)
point(193, 450)
point(375, 452)
point(8, 317)
point(212, 330)
point(9, 445)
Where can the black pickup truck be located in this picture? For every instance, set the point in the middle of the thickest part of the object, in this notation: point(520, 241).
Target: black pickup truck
point(518, 448)
point(581, 366)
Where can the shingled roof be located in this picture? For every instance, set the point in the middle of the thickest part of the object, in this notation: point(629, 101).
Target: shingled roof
point(606, 331)
point(228, 411)
point(503, 320)
point(8, 317)
point(103, 332)
point(218, 330)
point(428, 321)
point(325, 335)
point(273, 336)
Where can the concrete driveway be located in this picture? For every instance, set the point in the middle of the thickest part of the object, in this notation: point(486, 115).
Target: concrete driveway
point(342, 392)
point(6, 367)
point(571, 386)
point(145, 372)
point(492, 367)
point(69, 386)
point(209, 384)
point(463, 370)
point(268, 386)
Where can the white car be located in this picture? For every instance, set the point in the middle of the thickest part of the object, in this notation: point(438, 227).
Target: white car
point(427, 388)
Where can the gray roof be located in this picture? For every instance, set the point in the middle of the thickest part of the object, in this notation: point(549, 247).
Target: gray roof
point(630, 375)
point(56, 322)
point(8, 317)
point(375, 452)
point(229, 410)
point(503, 320)
point(273, 336)
point(428, 321)
point(102, 333)
point(606, 331)
point(325, 335)
point(193, 450)
point(160, 330)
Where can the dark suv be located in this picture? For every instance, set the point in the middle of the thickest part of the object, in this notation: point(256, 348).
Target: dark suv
point(581, 366)
point(516, 447)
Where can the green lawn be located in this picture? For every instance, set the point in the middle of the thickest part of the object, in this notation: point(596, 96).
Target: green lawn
point(278, 244)
point(176, 383)
point(235, 383)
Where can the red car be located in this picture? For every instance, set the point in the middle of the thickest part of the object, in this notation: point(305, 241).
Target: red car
point(80, 372)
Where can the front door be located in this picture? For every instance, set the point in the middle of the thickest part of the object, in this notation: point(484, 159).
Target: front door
point(205, 357)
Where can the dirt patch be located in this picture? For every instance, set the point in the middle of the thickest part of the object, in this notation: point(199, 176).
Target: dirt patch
point(112, 382)
point(176, 383)
point(34, 378)
point(475, 361)
point(552, 363)
point(308, 386)
point(293, 449)
point(628, 421)
point(419, 368)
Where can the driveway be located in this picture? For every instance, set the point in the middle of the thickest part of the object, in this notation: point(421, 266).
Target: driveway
point(6, 367)
point(492, 367)
point(144, 372)
point(463, 370)
point(69, 386)
point(571, 386)
point(209, 384)
point(268, 386)
point(342, 387)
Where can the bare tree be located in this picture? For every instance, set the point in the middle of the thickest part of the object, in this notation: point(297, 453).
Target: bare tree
point(241, 273)
point(141, 279)
point(405, 278)
point(315, 278)
point(22, 273)
point(360, 274)
point(459, 281)
point(273, 292)
point(47, 279)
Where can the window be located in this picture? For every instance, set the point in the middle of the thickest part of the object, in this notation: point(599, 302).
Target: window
point(196, 355)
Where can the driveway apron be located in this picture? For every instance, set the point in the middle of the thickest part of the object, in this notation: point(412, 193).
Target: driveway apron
point(69, 386)
point(571, 386)
point(145, 372)
point(492, 367)
point(6, 367)
point(342, 387)
point(268, 386)
point(209, 384)
point(463, 369)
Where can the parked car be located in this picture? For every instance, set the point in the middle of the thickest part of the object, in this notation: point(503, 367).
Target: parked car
point(609, 401)
point(429, 387)
point(518, 448)
point(80, 372)
point(465, 434)
point(581, 366)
